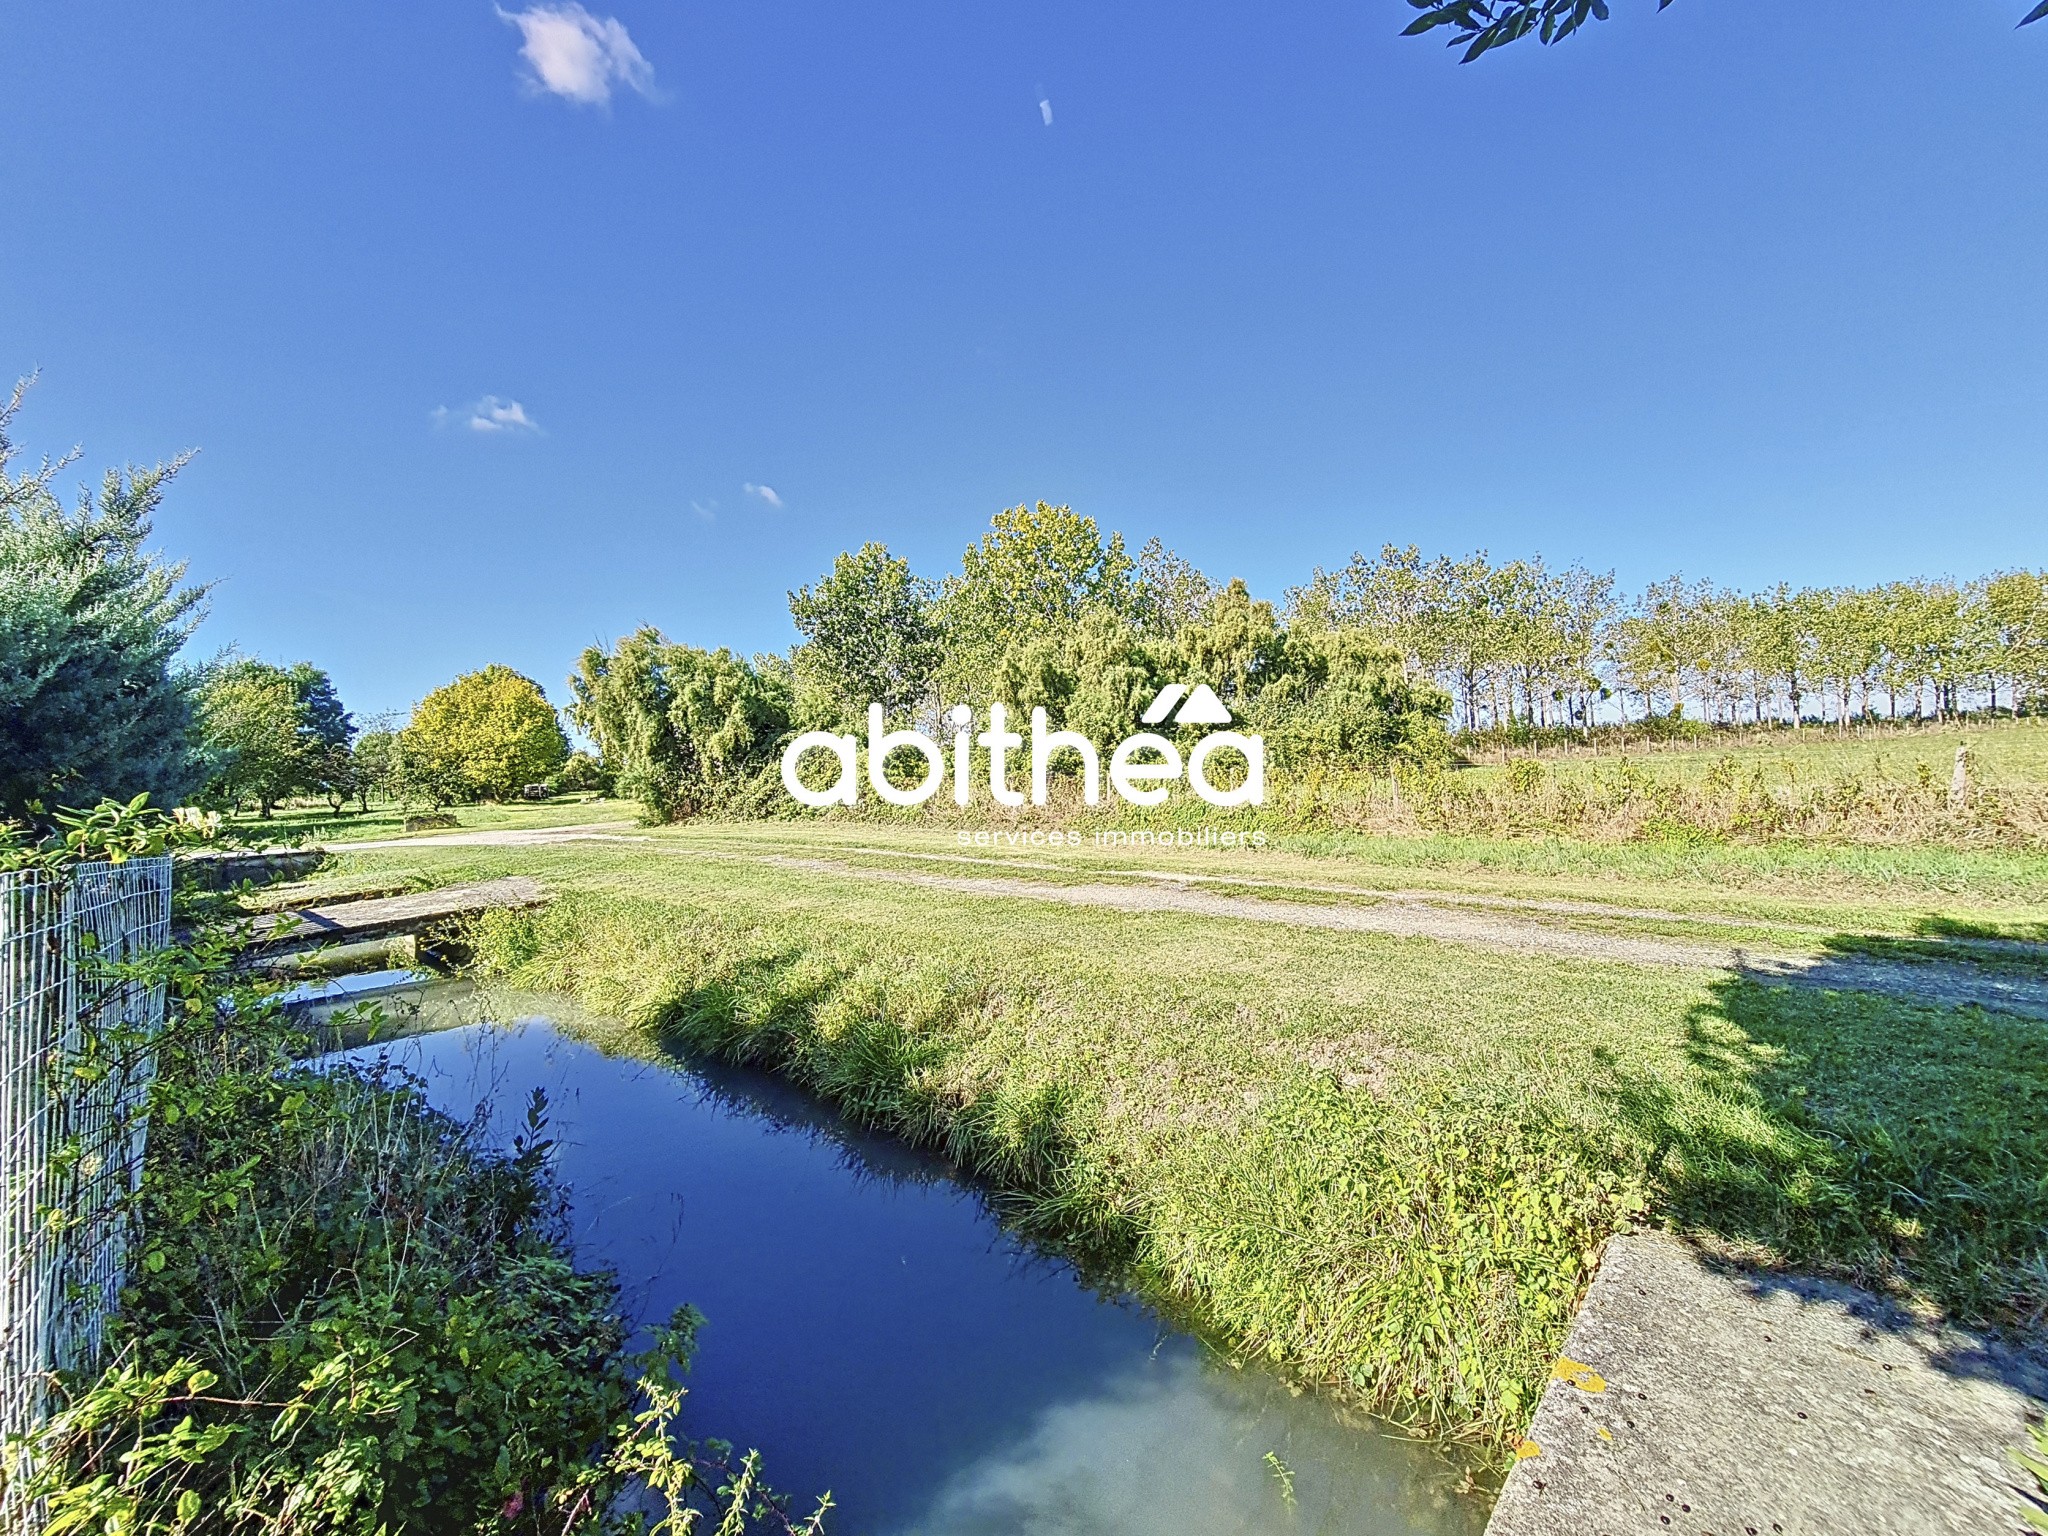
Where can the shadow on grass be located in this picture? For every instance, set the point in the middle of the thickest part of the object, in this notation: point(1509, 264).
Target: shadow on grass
point(1993, 933)
point(1897, 1145)
point(2016, 949)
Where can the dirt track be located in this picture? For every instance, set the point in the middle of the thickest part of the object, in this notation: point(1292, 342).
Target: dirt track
point(1944, 982)
point(1450, 918)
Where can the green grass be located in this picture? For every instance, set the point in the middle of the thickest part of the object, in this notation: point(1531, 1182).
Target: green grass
point(1897, 892)
point(1385, 1164)
point(2003, 751)
point(316, 823)
point(1805, 881)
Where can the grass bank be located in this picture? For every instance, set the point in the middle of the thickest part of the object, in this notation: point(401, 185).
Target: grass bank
point(1384, 1163)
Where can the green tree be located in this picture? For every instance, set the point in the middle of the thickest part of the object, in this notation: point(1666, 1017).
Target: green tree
point(272, 732)
point(375, 762)
point(1170, 592)
point(2016, 606)
point(1036, 570)
point(1474, 595)
point(679, 729)
point(1238, 647)
point(326, 731)
point(1344, 697)
point(321, 714)
point(91, 625)
point(252, 725)
point(1647, 647)
point(583, 773)
point(1847, 630)
point(484, 736)
point(1095, 675)
point(1397, 597)
point(868, 635)
point(1585, 607)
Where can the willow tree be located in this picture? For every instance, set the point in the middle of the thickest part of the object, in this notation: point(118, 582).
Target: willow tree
point(682, 730)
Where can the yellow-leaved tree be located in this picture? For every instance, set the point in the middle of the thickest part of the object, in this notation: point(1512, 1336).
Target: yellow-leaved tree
point(484, 736)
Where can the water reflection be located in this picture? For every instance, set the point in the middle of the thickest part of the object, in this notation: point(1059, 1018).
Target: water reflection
point(873, 1331)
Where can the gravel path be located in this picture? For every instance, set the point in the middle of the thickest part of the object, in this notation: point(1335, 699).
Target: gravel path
point(504, 837)
point(1943, 982)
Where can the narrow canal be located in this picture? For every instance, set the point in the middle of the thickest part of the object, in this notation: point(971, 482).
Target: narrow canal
point(871, 1329)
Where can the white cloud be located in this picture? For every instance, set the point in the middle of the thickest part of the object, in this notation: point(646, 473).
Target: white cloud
point(1045, 110)
point(705, 514)
point(489, 414)
point(765, 492)
point(578, 56)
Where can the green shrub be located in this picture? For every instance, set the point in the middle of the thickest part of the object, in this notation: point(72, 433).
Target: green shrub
point(582, 774)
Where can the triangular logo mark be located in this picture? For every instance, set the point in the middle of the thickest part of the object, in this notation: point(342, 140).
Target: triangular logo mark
point(1202, 708)
point(1162, 706)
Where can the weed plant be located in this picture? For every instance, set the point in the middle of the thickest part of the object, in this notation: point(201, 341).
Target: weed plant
point(353, 1314)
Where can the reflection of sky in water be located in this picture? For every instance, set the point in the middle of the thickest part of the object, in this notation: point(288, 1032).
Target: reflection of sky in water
point(871, 1330)
point(1180, 1446)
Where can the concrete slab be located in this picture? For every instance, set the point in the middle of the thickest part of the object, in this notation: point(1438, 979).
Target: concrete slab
point(1701, 1398)
point(346, 921)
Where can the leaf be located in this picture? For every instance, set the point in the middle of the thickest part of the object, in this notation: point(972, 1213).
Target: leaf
point(2030, 18)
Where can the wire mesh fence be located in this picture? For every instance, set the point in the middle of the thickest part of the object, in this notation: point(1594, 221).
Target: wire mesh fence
point(74, 1069)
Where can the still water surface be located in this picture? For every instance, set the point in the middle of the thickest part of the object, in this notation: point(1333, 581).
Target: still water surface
point(872, 1330)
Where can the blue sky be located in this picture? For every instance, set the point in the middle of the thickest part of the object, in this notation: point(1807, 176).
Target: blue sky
point(1749, 289)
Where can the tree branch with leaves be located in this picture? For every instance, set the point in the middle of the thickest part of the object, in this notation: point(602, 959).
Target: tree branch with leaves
point(1480, 26)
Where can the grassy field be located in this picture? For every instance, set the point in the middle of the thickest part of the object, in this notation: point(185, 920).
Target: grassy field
point(2004, 751)
point(1383, 1162)
point(317, 824)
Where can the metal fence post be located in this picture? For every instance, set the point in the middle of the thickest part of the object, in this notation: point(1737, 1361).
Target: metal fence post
point(72, 1123)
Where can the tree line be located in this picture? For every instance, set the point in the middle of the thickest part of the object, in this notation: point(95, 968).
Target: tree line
point(1362, 666)
point(1375, 663)
point(264, 734)
point(1522, 647)
point(1046, 611)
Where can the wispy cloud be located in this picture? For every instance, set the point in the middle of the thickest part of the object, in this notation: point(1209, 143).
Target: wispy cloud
point(765, 492)
point(1045, 109)
point(578, 56)
point(489, 414)
point(707, 514)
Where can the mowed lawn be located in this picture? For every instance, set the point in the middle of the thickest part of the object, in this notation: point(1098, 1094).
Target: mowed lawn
point(1385, 1163)
point(301, 823)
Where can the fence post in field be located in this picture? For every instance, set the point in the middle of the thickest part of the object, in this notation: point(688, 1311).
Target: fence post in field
point(74, 1073)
